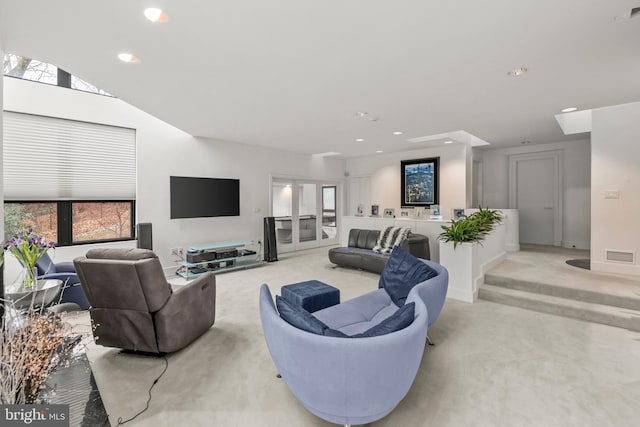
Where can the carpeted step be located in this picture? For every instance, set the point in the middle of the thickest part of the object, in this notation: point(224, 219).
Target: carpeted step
point(623, 298)
point(599, 313)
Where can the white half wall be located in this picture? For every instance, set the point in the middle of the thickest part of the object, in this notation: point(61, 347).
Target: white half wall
point(576, 221)
point(615, 166)
point(383, 176)
point(163, 150)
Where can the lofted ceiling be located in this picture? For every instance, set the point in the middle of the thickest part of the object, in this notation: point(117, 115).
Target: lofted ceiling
point(292, 74)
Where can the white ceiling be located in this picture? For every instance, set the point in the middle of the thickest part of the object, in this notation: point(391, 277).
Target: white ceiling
point(291, 74)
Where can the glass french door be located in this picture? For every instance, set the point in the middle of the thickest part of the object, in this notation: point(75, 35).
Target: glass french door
point(305, 213)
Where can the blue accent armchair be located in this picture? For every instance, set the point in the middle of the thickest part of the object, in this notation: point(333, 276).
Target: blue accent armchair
point(353, 380)
point(71, 289)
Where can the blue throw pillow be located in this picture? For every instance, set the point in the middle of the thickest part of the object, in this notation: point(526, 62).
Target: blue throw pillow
point(402, 272)
point(398, 320)
point(302, 319)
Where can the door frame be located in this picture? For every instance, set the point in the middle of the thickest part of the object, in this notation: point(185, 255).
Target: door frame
point(558, 196)
point(295, 244)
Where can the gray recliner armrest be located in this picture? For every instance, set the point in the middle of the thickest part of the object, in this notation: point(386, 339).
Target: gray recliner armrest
point(189, 312)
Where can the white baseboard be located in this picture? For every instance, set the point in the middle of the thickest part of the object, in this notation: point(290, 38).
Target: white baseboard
point(462, 295)
point(616, 268)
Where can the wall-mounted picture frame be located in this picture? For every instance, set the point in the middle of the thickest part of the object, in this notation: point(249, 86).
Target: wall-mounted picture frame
point(389, 213)
point(419, 179)
point(458, 214)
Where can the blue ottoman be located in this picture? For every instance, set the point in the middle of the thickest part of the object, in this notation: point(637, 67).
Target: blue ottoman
point(311, 295)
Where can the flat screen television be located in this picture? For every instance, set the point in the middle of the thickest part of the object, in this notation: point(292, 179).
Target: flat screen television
point(204, 197)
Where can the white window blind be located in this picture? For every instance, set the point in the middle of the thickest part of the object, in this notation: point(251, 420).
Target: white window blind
point(47, 158)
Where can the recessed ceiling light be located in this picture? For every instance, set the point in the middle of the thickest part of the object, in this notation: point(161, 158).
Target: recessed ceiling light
point(448, 142)
point(398, 132)
point(154, 14)
point(569, 109)
point(127, 57)
point(362, 114)
point(359, 139)
point(525, 142)
point(518, 71)
point(378, 151)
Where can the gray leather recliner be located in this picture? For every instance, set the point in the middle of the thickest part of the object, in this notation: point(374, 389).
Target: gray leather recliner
point(133, 306)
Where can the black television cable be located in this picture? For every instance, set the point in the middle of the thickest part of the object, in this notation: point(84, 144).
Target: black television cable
point(166, 366)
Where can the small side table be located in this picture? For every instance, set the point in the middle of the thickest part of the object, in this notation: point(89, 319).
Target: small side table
point(43, 293)
point(311, 295)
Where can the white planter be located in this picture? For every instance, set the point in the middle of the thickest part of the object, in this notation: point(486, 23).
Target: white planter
point(468, 263)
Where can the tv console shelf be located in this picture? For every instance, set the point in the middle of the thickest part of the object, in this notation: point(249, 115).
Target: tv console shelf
point(218, 257)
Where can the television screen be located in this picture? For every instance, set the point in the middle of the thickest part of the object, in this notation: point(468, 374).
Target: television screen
point(204, 197)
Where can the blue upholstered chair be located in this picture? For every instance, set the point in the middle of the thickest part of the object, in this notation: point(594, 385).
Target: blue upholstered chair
point(65, 271)
point(353, 380)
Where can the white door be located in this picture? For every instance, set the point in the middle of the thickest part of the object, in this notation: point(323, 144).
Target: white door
point(535, 180)
point(305, 213)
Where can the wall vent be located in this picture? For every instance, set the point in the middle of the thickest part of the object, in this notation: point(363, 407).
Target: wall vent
point(620, 256)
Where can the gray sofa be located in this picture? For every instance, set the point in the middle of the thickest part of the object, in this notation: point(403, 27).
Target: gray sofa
point(359, 253)
point(354, 380)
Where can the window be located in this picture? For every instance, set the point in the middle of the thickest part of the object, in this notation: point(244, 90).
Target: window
point(72, 181)
point(31, 69)
point(99, 221)
point(71, 222)
point(42, 217)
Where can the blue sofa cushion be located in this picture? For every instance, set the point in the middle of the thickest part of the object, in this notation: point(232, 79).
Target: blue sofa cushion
point(402, 272)
point(398, 320)
point(302, 319)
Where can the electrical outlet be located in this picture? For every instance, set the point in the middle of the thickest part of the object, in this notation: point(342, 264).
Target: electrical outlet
point(177, 251)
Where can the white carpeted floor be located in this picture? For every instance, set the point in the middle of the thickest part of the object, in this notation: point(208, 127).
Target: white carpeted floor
point(492, 365)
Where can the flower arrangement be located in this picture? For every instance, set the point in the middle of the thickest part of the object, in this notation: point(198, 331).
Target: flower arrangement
point(28, 247)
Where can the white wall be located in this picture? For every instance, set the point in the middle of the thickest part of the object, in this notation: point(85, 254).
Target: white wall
point(615, 165)
point(163, 150)
point(1, 151)
point(576, 185)
point(383, 172)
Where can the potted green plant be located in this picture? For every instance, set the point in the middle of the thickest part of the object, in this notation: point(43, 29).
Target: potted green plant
point(472, 228)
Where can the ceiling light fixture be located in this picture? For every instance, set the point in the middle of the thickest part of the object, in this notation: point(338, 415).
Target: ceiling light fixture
point(154, 14)
point(518, 71)
point(127, 57)
point(398, 132)
point(379, 151)
point(525, 142)
point(359, 139)
point(569, 109)
point(362, 114)
point(448, 142)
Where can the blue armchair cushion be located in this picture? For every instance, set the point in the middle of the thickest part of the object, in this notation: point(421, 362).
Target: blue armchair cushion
point(398, 320)
point(402, 272)
point(302, 319)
